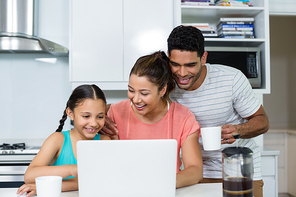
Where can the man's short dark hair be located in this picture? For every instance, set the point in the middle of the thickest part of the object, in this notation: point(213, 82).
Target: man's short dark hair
point(186, 38)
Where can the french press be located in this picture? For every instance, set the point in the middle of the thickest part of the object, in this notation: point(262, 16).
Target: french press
point(237, 166)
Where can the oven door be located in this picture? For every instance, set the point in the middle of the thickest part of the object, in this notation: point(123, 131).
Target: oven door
point(12, 174)
point(13, 168)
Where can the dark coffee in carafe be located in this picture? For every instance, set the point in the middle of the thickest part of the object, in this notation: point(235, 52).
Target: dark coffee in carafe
point(238, 187)
point(237, 166)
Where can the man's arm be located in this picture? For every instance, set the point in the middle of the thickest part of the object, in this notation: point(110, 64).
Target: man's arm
point(257, 124)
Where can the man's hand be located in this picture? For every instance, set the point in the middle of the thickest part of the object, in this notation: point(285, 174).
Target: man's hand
point(110, 128)
point(227, 134)
point(256, 125)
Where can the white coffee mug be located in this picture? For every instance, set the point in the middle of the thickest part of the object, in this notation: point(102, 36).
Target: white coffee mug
point(49, 186)
point(211, 138)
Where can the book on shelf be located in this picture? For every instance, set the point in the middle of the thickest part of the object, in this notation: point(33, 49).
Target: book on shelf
point(238, 3)
point(236, 33)
point(236, 36)
point(235, 22)
point(196, 3)
point(237, 19)
point(236, 26)
point(195, 0)
point(237, 29)
point(211, 35)
point(198, 25)
point(205, 28)
point(245, 1)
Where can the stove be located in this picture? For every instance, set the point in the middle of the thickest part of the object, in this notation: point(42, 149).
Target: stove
point(14, 161)
point(18, 148)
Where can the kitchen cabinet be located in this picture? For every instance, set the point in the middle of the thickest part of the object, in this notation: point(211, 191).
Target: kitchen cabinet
point(282, 7)
point(269, 166)
point(277, 140)
point(260, 12)
point(285, 141)
point(107, 37)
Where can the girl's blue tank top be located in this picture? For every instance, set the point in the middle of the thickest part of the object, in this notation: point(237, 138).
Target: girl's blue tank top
point(66, 156)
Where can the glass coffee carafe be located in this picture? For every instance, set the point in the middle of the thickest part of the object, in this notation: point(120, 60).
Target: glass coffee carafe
point(237, 164)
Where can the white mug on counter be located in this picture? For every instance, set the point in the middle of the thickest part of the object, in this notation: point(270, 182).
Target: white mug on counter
point(211, 138)
point(48, 186)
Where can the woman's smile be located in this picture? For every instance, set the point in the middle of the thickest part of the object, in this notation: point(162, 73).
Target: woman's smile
point(140, 107)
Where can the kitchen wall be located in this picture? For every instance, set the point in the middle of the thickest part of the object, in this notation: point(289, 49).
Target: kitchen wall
point(33, 94)
point(280, 105)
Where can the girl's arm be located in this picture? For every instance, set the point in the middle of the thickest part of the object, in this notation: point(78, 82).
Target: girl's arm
point(49, 151)
point(30, 188)
point(192, 161)
point(70, 184)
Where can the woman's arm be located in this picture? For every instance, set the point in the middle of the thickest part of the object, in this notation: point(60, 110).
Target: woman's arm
point(192, 161)
point(47, 154)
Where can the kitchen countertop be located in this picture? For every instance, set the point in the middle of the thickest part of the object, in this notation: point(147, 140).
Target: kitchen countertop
point(267, 151)
point(200, 190)
point(288, 131)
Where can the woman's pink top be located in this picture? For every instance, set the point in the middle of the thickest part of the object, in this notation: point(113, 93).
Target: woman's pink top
point(178, 123)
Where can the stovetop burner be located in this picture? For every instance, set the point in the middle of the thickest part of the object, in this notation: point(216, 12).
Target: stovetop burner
point(18, 148)
point(5, 146)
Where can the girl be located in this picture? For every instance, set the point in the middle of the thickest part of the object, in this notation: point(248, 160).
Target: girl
point(86, 107)
point(150, 114)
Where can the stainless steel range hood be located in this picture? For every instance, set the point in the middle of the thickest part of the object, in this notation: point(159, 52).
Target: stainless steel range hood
point(18, 29)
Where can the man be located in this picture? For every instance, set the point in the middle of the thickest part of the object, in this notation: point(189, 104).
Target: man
point(218, 96)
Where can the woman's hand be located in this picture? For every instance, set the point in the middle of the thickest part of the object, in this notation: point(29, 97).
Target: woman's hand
point(30, 189)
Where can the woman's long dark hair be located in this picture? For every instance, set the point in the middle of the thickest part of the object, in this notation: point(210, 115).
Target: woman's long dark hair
point(78, 95)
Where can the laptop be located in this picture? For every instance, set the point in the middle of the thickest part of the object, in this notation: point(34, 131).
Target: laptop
point(127, 168)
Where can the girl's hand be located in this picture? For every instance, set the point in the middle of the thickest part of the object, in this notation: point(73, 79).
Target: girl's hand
point(29, 188)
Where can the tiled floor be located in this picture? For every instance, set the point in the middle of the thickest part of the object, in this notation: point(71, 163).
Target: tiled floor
point(285, 195)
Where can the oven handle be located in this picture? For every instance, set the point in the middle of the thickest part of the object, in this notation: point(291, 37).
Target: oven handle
point(12, 178)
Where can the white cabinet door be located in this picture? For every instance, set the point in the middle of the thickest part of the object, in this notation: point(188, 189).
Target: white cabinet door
point(269, 166)
point(107, 37)
point(96, 40)
point(147, 25)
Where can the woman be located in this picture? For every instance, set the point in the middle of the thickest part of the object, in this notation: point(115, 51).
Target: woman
point(150, 114)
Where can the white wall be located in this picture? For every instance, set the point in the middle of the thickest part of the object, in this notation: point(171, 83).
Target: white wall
point(280, 105)
point(33, 94)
